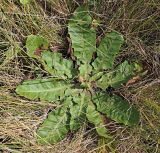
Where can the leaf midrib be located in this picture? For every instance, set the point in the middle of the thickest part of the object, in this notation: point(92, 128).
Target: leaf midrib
point(48, 90)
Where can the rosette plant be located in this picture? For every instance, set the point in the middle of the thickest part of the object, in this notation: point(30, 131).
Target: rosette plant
point(79, 83)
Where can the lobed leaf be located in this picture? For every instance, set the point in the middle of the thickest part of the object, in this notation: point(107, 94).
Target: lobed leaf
point(35, 42)
point(55, 64)
point(118, 76)
point(78, 111)
point(54, 128)
point(117, 109)
point(96, 76)
point(85, 70)
point(43, 89)
point(82, 35)
point(96, 118)
point(81, 17)
point(107, 51)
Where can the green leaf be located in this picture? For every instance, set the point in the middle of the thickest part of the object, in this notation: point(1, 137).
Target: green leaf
point(121, 74)
point(24, 2)
point(85, 70)
point(96, 76)
point(35, 42)
point(117, 109)
point(43, 89)
point(54, 128)
point(78, 111)
point(55, 64)
point(107, 51)
point(96, 118)
point(81, 17)
point(82, 35)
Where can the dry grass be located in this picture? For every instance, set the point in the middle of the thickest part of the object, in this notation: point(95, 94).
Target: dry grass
point(137, 20)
